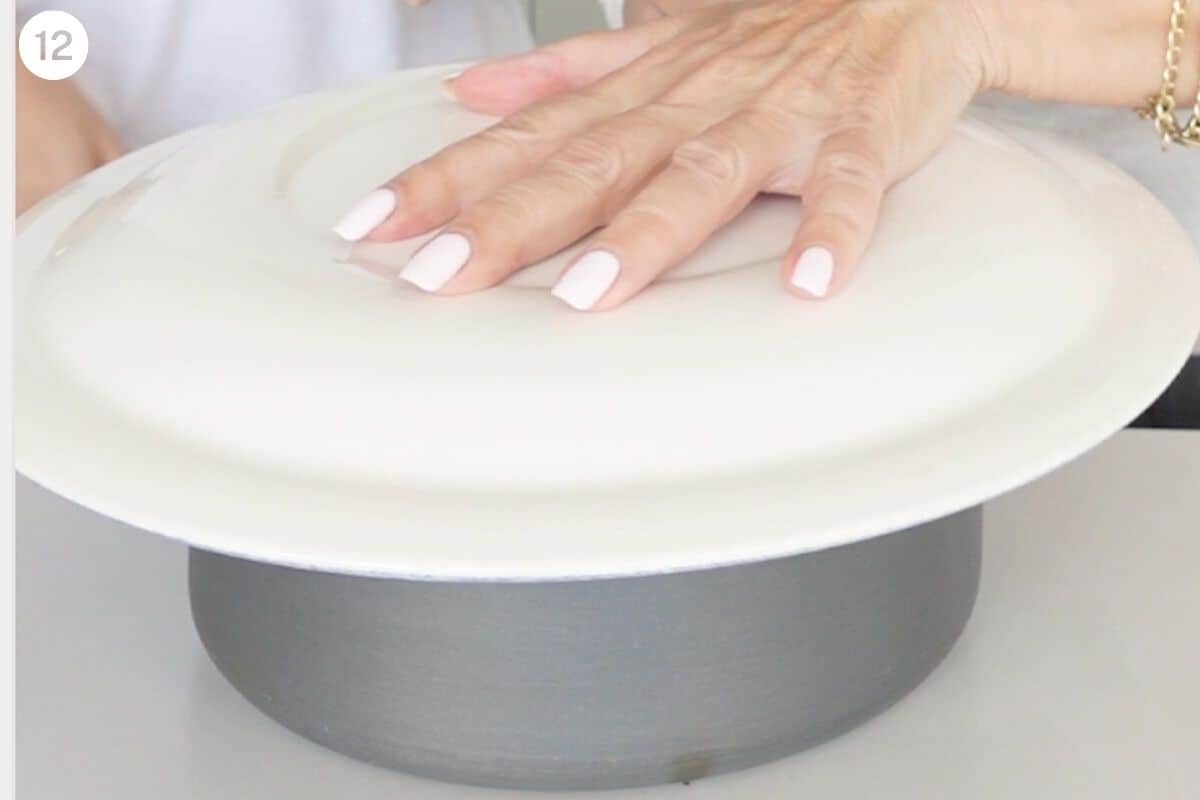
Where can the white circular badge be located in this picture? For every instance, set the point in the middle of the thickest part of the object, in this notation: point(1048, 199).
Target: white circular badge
point(53, 45)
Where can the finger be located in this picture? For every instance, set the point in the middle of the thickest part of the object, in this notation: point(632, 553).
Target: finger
point(709, 181)
point(579, 188)
point(435, 190)
point(503, 86)
point(573, 193)
point(842, 197)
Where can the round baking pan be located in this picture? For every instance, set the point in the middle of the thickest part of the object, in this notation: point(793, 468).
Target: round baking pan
point(591, 684)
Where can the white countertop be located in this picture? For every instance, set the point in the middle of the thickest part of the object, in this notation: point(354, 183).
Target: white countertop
point(1077, 677)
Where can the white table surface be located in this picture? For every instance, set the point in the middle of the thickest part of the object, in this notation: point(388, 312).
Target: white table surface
point(1077, 677)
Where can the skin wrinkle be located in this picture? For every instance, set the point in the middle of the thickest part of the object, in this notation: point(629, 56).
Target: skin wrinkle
point(602, 91)
point(606, 185)
point(426, 201)
point(645, 125)
point(830, 100)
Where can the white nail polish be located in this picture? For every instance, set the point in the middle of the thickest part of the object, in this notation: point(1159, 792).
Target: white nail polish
point(813, 271)
point(582, 286)
point(365, 215)
point(436, 263)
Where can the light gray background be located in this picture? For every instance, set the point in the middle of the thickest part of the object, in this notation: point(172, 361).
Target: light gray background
point(554, 19)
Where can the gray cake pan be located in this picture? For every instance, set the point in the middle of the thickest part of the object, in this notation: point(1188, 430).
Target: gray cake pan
point(592, 684)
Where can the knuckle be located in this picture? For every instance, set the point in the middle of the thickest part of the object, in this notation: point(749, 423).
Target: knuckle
point(729, 68)
point(652, 123)
point(834, 225)
point(513, 207)
point(429, 178)
point(498, 218)
point(540, 125)
point(877, 105)
point(649, 221)
point(861, 166)
point(716, 161)
point(517, 132)
point(842, 220)
point(592, 161)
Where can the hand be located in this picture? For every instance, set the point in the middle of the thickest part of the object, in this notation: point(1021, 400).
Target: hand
point(661, 133)
point(641, 11)
point(59, 137)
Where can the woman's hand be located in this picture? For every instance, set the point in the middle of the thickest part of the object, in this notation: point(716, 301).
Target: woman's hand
point(638, 12)
point(661, 133)
point(60, 137)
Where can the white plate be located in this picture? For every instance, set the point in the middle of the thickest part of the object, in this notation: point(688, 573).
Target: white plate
point(199, 356)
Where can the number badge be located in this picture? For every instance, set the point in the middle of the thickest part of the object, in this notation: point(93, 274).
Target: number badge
point(53, 45)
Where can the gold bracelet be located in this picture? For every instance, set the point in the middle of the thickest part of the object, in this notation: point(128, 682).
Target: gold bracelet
point(1160, 108)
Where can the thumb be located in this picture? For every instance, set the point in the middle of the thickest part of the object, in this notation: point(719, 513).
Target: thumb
point(504, 85)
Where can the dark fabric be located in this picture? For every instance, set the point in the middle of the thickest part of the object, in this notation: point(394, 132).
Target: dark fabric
point(1179, 405)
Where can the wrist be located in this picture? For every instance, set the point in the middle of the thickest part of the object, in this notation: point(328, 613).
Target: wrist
point(1081, 51)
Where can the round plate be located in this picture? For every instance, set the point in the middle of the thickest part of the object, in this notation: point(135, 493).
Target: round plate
point(198, 355)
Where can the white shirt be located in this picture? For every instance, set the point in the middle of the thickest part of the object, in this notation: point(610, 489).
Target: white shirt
point(157, 67)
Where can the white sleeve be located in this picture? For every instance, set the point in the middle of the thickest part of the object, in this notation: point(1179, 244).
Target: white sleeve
point(614, 12)
point(25, 10)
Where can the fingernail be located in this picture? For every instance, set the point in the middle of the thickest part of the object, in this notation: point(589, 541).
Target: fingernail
point(813, 271)
point(582, 286)
point(436, 263)
point(365, 215)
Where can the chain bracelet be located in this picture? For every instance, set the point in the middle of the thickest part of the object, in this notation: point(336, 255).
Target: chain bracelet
point(1160, 108)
